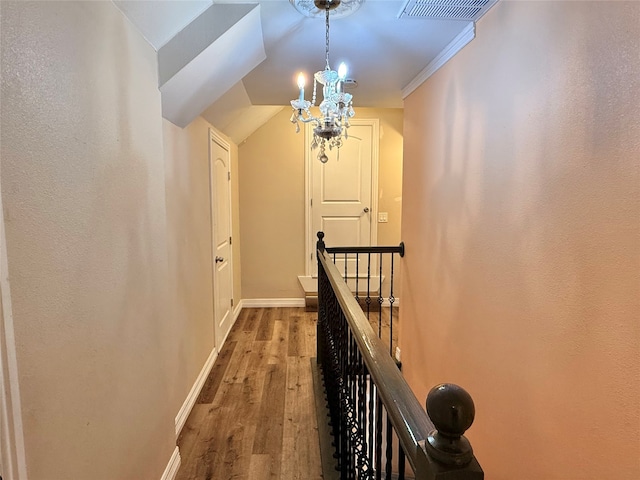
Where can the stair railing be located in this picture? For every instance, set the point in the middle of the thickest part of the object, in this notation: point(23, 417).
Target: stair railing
point(380, 430)
point(370, 271)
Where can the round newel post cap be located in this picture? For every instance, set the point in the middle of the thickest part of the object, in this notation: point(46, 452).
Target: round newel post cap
point(452, 411)
point(320, 242)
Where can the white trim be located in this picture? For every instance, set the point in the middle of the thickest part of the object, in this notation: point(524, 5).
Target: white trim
point(272, 302)
point(311, 238)
point(190, 401)
point(214, 136)
point(447, 53)
point(173, 466)
point(12, 451)
point(309, 243)
point(236, 311)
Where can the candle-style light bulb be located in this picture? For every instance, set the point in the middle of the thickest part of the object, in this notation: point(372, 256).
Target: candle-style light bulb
point(342, 71)
point(342, 74)
point(301, 85)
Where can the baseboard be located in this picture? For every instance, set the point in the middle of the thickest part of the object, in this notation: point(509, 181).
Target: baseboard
point(236, 311)
point(190, 401)
point(272, 302)
point(173, 466)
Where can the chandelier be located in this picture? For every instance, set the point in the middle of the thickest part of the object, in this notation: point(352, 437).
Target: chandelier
point(335, 109)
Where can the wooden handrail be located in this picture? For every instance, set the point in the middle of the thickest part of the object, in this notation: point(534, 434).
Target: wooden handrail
point(401, 404)
point(372, 249)
point(416, 432)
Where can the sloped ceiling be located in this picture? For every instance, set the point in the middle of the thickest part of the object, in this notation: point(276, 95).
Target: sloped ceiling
point(384, 53)
point(203, 61)
point(158, 21)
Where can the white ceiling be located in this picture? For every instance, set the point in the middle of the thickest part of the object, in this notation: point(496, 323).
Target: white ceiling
point(384, 53)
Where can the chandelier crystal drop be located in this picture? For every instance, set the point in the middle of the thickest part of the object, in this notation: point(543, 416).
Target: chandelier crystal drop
point(330, 127)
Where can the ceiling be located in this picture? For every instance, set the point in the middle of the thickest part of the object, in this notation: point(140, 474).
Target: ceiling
point(384, 53)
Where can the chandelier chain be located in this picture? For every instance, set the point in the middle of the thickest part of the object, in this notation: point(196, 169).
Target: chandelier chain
point(327, 34)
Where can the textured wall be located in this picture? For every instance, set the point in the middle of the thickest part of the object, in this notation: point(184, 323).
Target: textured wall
point(189, 247)
point(521, 215)
point(83, 193)
point(271, 164)
point(272, 202)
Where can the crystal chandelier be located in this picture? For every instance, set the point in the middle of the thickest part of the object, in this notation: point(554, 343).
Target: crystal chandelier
point(335, 109)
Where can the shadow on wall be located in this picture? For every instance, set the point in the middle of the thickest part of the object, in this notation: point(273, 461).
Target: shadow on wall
point(530, 216)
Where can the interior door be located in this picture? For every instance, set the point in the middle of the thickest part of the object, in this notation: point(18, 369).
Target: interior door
point(342, 205)
point(221, 237)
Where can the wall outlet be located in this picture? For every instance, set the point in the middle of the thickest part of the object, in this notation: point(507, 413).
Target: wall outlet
point(398, 354)
point(383, 217)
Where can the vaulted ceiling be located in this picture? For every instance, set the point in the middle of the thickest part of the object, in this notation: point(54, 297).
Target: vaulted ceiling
point(235, 63)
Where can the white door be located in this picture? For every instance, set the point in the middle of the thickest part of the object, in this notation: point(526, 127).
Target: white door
point(342, 203)
point(221, 236)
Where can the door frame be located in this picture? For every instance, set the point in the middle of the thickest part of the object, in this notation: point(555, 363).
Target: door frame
point(12, 453)
point(311, 155)
point(215, 137)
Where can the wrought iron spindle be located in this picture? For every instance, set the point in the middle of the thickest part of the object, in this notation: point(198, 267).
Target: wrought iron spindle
point(389, 452)
point(357, 277)
point(346, 267)
point(391, 302)
point(380, 299)
point(402, 461)
point(378, 461)
point(368, 299)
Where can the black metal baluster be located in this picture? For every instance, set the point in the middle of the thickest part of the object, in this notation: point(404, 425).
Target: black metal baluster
point(380, 299)
point(372, 396)
point(378, 437)
point(391, 302)
point(402, 462)
point(357, 276)
point(346, 275)
point(362, 414)
point(389, 453)
point(368, 299)
point(346, 463)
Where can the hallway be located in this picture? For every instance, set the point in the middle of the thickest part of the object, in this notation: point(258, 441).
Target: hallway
point(255, 417)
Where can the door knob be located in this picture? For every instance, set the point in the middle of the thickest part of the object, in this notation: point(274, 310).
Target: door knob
point(219, 259)
point(366, 209)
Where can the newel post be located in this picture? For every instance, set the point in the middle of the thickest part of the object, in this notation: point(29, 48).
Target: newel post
point(322, 313)
point(320, 243)
point(449, 453)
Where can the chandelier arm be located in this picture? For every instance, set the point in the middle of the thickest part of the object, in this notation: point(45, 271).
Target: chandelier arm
point(308, 119)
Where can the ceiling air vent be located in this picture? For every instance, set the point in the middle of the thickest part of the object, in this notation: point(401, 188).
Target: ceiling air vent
point(467, 10)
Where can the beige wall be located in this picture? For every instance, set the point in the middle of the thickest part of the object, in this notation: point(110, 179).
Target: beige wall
point(521, 217)
point(271, 167)
point(389, 186)
point(186, 153)
point(83, 192)
point(272, 204)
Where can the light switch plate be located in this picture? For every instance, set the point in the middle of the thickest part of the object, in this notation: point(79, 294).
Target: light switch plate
point(383, 217)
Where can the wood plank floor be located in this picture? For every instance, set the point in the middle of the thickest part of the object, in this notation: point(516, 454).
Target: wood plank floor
point(256, 415)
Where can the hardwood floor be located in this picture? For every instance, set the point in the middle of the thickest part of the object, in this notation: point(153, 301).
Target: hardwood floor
point(255, 417)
